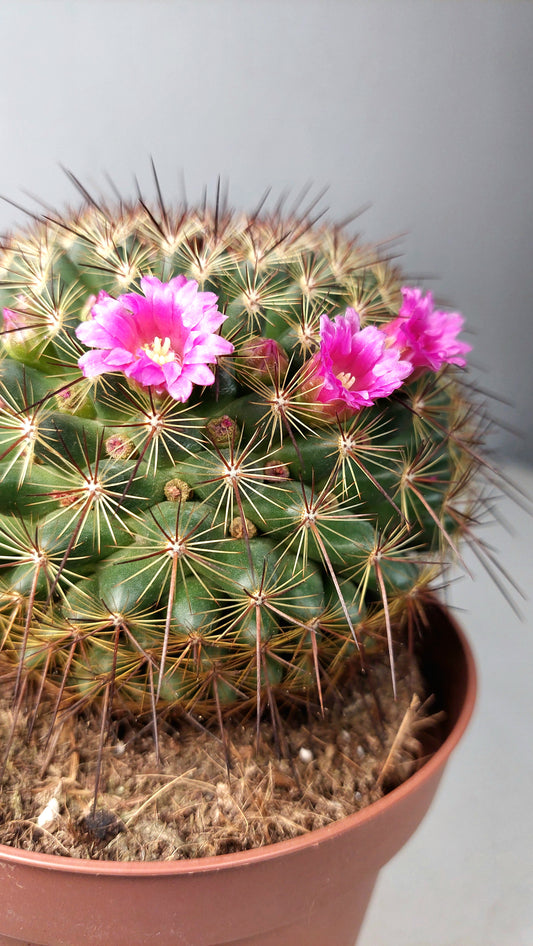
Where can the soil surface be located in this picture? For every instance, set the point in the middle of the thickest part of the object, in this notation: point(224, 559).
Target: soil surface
point(207, 794)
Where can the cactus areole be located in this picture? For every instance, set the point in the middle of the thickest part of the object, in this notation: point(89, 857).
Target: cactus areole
point(235, 451)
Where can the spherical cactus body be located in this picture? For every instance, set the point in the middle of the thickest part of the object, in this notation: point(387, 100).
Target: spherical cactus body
point(234, 452)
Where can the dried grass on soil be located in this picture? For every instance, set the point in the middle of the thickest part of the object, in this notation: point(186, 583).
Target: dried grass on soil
point(190, 805)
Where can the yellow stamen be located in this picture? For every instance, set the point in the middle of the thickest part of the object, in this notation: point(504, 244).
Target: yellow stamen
point(160, 352)
point(346, 379)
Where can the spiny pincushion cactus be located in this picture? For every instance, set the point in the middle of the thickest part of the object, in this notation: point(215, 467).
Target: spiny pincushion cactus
point(234, 451)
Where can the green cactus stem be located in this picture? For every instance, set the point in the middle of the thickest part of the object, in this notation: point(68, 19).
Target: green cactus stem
point(235, 535)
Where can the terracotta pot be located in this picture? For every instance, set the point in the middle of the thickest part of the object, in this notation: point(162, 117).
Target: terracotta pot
point(310, 891)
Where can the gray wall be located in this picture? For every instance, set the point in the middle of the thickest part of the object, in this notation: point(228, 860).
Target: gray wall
point(420, 107)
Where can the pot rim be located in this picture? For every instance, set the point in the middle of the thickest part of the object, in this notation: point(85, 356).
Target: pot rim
point(217, 862)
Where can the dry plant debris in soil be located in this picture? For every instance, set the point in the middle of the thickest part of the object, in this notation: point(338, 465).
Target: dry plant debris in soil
point(194, 804)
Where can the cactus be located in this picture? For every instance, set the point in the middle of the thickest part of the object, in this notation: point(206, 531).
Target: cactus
point(235, 451)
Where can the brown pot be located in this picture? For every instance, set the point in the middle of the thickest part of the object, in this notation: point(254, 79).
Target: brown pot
point(310, 891)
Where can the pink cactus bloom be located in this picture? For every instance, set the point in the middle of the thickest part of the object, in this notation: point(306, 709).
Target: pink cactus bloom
point(163, 339)
point(16, 326)
point(353, 366)
point(13, 320)
point(426, 337)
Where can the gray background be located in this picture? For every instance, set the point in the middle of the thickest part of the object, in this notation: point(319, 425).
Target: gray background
point(421, 108)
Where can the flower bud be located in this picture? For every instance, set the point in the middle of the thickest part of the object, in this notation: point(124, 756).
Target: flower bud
point(63, 497)
point(177, 491)
point(264, 358)
point(222, 430)
point(237, 530)
point(70, 400)
point(119, 447)
point(19, 335)
point(276, 471)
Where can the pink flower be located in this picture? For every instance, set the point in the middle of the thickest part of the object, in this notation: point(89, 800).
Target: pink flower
point(16, 326)
point(165, 338)
point(353, 366)
point(13, 320)
point(427, 338)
